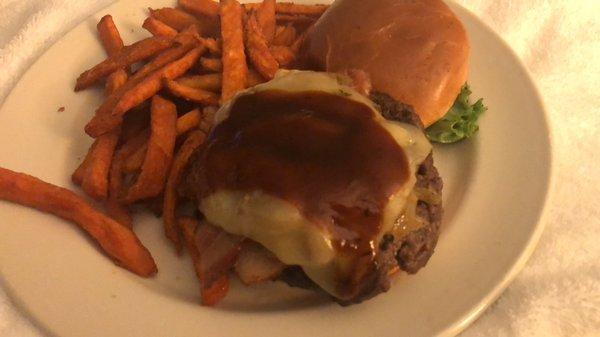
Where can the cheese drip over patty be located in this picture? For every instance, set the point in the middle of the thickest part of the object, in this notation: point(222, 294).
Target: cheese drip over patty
point(281, 225)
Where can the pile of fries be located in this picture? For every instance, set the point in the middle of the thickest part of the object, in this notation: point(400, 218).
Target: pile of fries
point(161, 96)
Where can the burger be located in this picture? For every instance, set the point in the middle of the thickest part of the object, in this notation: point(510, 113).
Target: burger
point(336, 188)
point(324, 183)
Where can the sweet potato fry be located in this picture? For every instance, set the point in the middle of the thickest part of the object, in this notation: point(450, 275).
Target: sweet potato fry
point(265, 15)
point(150, 85)
point(235, 69)
point(127, 56)
point(115, 81)
point(103, 122)
point(119, 242)
point(114, 207)
point(195, 95)
point(158, 158)
point(181, 20)
point(284, 35)
point(185, 123)
point(79, 173)
point(109, 35)
point(284, 55)
point(213, 46)
point(159, 28)
point(188, 121)
point(211, 82)
point(258, 50)
point(200, 7)
point(192, 142)
point(190, 35)
point(136, 160)
point(94, 179)
point(95, 182)
point(174, 18)
point(168, 56)
point(292, 8)
point(211, 64)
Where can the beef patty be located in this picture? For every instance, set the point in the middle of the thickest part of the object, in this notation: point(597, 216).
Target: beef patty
point(411, 252)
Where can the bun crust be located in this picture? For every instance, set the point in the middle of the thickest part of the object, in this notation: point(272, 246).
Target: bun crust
point(416, 51)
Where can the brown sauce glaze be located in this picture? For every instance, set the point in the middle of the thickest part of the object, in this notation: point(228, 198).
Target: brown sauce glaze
point(322, 152)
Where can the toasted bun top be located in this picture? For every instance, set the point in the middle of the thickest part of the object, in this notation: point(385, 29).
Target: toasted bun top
point(414, 50)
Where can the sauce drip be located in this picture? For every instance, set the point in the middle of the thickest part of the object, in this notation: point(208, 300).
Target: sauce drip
point(324, 153)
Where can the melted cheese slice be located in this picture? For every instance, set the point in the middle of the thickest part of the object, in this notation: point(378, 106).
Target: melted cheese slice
point(277, 224)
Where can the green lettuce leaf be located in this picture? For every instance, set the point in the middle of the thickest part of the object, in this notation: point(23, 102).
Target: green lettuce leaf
point(460, 121)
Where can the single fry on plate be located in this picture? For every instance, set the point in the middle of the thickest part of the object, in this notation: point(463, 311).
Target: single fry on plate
point(119, 242)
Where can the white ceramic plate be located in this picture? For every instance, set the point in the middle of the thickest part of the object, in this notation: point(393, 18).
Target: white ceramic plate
point(495, 188)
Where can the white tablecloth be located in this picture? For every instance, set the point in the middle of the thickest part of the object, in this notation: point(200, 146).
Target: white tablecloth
point(558, 293)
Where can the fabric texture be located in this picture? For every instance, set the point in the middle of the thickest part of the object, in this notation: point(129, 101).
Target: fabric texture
point(558, 292)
